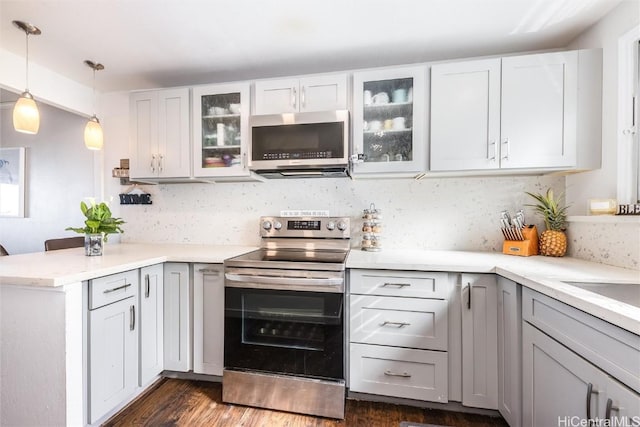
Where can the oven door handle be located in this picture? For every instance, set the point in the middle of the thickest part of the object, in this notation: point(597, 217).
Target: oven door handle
point(293, 281)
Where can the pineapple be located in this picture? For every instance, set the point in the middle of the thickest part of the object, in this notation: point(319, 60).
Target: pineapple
point(553, 241)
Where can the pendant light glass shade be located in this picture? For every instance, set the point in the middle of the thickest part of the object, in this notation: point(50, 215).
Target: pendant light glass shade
point(93, 136)
point(26, 117)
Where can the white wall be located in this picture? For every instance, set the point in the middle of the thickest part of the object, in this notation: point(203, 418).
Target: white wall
point(59, 174)
point(601, 183)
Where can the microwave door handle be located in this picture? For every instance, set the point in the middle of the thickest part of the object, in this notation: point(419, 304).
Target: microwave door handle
point(294, 281)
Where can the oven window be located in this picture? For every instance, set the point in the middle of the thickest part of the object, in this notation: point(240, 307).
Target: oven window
point(290, 332)
point(285, 321)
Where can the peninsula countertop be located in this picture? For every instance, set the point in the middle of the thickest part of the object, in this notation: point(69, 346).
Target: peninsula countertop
point(543, 274)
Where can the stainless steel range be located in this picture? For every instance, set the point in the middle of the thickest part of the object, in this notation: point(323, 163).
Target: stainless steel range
point(284, 318)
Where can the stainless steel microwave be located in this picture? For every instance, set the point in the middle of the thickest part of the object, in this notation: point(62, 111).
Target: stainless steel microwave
point(300, 144)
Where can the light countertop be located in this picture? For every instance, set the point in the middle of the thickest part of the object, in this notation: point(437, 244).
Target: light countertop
point(543, 274)
point(66, 266)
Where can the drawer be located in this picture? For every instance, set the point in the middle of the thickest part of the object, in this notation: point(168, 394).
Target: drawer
point(415, 284)
point(614, 350)
point(399, 372)
point(112, 288)
point(400, 322)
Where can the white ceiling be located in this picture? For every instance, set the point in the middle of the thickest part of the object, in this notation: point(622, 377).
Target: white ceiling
point(163, 43)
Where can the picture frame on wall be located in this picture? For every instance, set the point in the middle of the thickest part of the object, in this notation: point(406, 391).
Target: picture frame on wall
point(12, 173)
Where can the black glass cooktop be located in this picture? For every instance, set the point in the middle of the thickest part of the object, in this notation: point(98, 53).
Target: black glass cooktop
point(287, 258)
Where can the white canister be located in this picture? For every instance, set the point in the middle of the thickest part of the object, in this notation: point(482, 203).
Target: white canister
point(398, 123)
point(367, 97)
point(220, 130)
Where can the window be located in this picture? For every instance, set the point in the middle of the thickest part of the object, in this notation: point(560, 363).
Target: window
point(629, 117)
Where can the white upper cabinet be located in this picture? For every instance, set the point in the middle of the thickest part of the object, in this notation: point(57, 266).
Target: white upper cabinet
point(389, 121)
point(315, 93)
point(538, 97)
point(159, 136)
point(220, 130)
point(465, 115)
point(520, 112)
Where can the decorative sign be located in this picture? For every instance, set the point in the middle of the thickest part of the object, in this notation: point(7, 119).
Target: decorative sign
point(135, 197)
point(632, 209)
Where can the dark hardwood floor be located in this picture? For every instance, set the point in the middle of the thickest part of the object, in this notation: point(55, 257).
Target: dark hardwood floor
point(174, 402)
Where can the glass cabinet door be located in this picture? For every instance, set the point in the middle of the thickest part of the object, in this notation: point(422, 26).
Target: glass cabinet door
point(220, 131)
point(389, 121)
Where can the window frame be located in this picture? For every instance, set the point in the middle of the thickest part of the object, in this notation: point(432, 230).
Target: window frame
point(628, 179)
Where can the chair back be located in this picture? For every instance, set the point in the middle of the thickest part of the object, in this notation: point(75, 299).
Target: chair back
point(64, 243)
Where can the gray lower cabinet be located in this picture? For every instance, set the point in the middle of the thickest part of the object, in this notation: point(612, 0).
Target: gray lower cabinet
point(576, 367)
point(177, 317)
point(479, 341)
point(510, 351)
point(113, 324)
point(208, 318)
point(398, 334)
point(151, 323)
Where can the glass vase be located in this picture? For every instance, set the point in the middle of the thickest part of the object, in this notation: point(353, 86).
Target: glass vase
point(93, 244)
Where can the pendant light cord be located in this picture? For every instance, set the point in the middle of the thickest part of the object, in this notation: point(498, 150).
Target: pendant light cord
point(94, 92)
point(27, 72)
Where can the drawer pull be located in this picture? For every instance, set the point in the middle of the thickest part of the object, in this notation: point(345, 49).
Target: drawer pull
point(396, 374)
point(209, 271)
point(132, 317)
point(397, 324)
point(395, 285)
point(590, 391)
point(125, 286)
point(147, 289)
point(610, 407)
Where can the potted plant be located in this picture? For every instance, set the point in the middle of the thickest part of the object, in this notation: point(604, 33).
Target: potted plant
point(553, 241)
point(98, 225)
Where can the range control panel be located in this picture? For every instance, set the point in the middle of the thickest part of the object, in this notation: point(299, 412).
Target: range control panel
point(305, 227)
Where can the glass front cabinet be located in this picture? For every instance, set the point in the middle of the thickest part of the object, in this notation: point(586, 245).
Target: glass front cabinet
point(221, 130)
point(389, 121)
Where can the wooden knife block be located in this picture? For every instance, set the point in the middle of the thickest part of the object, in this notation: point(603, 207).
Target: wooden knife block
point(526, 247)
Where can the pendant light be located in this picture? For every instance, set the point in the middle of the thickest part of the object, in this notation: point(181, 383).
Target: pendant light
point(26, 117)
point(93, 136)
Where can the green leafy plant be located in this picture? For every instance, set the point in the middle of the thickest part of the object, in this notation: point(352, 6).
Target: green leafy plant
point(554, 215)
point(99, 220)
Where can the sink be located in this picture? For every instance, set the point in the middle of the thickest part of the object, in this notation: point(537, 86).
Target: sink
point(628, 293)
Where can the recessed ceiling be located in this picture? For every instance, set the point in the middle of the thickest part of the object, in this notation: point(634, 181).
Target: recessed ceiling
point(164, 43)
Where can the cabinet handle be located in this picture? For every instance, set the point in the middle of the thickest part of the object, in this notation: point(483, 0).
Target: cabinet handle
point(160, 158)
point(302, 97)
point(153, 163)
point(398, 324)
point(209, 271)
point(396, 374)
point(590, 391)
point(132, 317)
point(395, 285)
point(146, 284)
point(469, 299)
point(495, 151)
point(610, 407)
point(506, 143)
point(295, 95)
point(108, 291)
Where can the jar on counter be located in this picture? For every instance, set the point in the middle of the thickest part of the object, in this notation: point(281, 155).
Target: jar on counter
point(367, 227)
point(376, 227)
point(366, 242)
point(376, 243)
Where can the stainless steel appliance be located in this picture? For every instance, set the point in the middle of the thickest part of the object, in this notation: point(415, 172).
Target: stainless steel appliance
point(284, 318)
point(312, 144)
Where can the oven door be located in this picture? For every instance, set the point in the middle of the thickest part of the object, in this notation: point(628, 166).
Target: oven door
point(285, 332)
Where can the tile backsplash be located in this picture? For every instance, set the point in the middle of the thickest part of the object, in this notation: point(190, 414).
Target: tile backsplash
point(434, 213)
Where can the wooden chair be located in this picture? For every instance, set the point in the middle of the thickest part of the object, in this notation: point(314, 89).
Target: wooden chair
point(3, 251)
point(64, 243)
